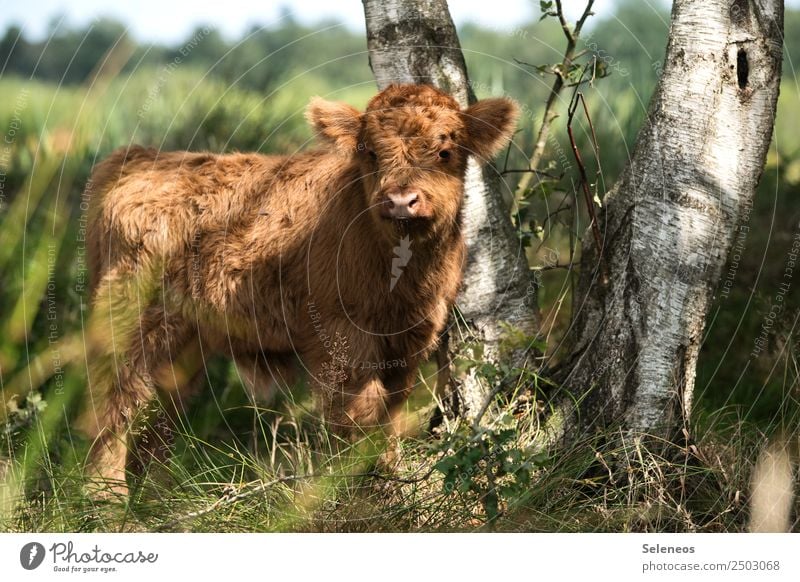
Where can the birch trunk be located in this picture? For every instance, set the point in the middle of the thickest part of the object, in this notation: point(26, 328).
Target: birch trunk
point(670, 220)
point(415, 41)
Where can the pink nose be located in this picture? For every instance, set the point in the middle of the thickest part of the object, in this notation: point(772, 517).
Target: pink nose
point(401, 204)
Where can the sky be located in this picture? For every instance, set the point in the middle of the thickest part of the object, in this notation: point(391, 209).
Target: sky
point(170, 21)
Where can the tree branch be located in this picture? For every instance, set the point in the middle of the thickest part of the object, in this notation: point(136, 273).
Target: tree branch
point(550, 112)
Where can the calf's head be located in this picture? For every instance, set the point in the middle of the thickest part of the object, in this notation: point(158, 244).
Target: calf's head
point(411, 147)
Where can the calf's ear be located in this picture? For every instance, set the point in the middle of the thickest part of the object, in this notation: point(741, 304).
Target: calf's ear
point(489, 124)
point(336, 123)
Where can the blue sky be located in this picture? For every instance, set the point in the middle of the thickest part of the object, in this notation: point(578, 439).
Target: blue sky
point(171, 20)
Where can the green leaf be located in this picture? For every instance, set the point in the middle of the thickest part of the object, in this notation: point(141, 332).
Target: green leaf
point(445, 465)
point(465, 485)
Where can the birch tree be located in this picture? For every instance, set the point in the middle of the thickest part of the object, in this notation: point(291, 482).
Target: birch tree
point(415, 41)
point(669, 221)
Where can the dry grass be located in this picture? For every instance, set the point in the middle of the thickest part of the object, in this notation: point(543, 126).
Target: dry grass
point(302, 480)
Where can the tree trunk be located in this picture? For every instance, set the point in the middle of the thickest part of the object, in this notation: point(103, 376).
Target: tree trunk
point(415, 41)
point(670, 220)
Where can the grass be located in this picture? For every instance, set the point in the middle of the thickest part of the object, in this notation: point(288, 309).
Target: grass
point(294, 481)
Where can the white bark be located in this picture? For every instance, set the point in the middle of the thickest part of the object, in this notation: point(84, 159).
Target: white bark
point(670, 220)
point(415, 41)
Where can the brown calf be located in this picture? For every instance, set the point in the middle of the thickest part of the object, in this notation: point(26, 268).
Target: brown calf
point(348, 256)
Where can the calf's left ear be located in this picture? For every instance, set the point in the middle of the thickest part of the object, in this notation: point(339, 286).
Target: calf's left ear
point(490, 124)
point(336, 123)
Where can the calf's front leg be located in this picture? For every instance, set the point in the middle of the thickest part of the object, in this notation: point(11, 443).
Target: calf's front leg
point(365, 400)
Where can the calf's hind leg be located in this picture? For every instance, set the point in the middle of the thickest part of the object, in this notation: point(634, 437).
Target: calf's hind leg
point(122, 386)
point(176, 381)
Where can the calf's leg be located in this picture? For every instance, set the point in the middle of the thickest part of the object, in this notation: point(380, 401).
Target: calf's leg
point(176, 381)
point(366, 401)
point(122, 387)
point(263, 375)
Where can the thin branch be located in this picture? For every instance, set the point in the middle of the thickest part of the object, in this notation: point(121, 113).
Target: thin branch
point(561, 208)
point(558, 84)
point(552, 267)
point(527, 64)
point(572, 233)
point(577, 98)
point(595, 145)
point(539, 173)
point(586, 13)
point(487, 401)
point(564, 24)
point(542, 68)
point(573, 240)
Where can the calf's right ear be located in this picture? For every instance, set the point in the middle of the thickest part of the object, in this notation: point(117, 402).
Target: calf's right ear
point(336, 123)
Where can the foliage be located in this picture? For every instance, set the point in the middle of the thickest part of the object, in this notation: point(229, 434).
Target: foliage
point(489, 463)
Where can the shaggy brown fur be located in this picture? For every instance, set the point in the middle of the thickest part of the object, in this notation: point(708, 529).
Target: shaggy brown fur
point(265, 258)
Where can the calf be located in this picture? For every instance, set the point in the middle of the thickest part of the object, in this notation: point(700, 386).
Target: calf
point(347, 258)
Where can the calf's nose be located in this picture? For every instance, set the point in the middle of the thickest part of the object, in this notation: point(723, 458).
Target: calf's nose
point(402, 204)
